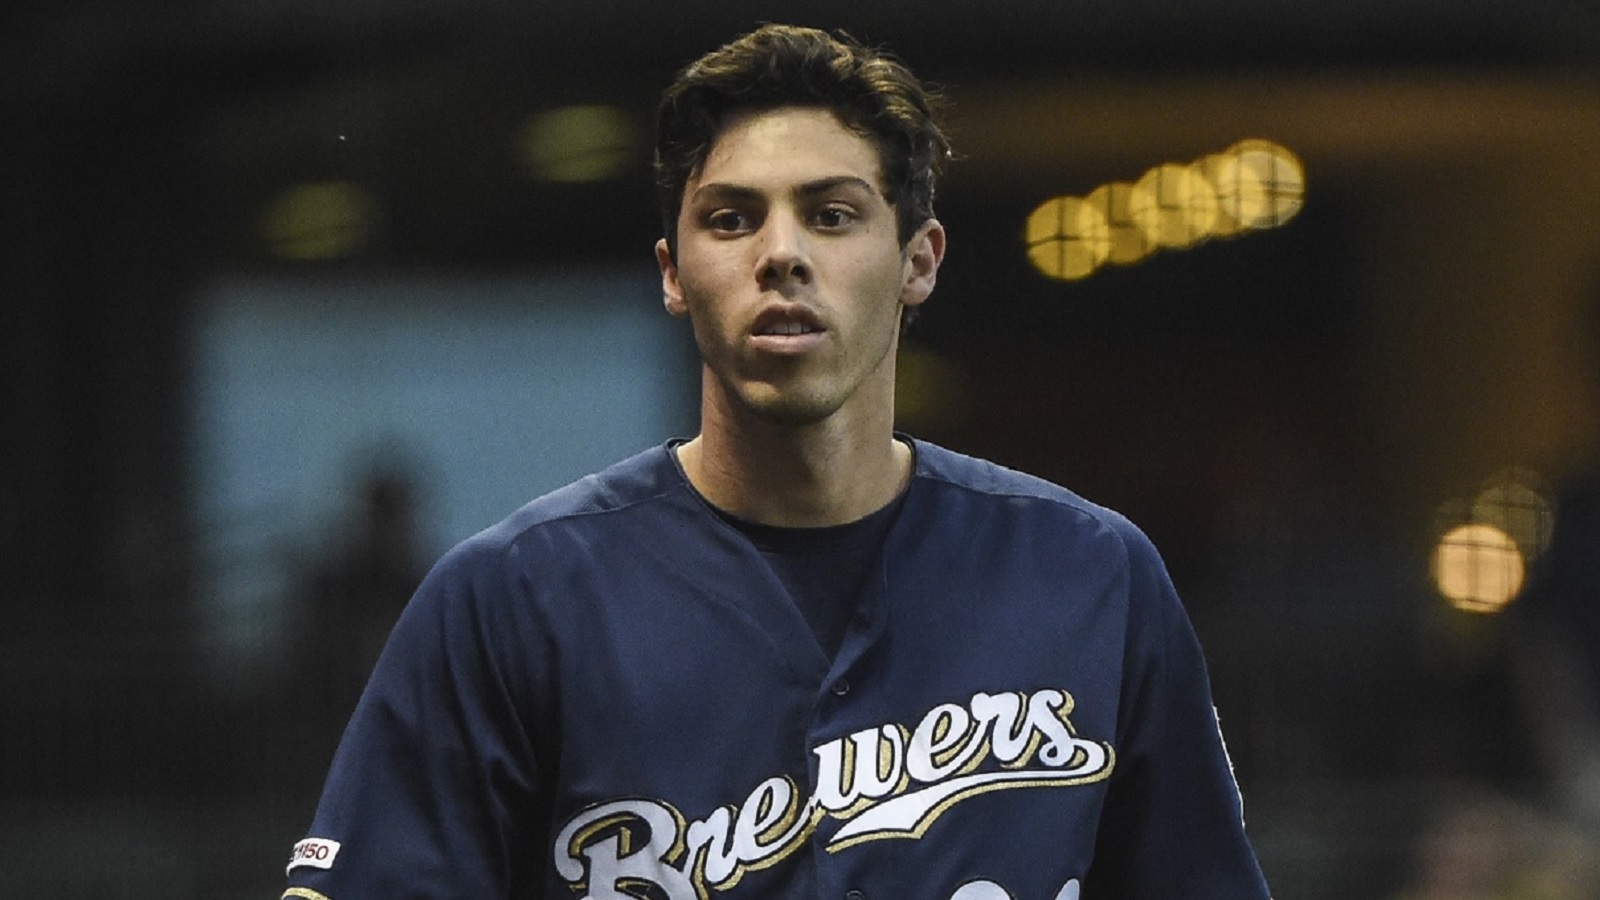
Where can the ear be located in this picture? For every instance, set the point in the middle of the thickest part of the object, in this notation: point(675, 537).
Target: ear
point(671, 289)
point(924, 253)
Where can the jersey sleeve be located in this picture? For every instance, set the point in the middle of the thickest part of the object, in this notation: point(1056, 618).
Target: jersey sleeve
point(432, 791)
point(1173, 824)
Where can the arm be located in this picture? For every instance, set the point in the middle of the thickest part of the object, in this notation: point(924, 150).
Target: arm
point(1173, 824)
point(432, 790)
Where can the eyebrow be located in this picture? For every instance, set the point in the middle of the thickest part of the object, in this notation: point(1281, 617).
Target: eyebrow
point(808, 189)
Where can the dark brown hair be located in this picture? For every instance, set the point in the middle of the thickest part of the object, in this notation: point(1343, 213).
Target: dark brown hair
point(774, 66)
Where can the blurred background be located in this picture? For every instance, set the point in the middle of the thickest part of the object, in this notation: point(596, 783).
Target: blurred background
point(298, 293)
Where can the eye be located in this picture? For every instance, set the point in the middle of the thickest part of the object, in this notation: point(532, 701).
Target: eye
point(729, 221)
point(833, 218)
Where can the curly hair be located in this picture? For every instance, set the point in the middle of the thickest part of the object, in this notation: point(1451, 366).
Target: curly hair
point(871, 92)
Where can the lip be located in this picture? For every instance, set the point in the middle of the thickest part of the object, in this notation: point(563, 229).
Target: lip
point(786, 316)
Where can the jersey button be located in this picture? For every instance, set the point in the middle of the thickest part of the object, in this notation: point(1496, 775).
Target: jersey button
point(840, 688)
point(854, 895)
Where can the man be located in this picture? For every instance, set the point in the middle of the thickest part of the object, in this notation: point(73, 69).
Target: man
point(797, 655)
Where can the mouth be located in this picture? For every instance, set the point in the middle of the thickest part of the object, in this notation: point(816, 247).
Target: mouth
point(787, 320)
point(787, 329)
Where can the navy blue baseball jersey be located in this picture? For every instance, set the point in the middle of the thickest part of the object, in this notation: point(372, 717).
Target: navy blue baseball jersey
point(610, 695)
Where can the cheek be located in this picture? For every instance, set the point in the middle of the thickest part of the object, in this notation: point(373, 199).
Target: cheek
point(883, 281)
point(705, 276)
point(710, 316)
point(722, 287)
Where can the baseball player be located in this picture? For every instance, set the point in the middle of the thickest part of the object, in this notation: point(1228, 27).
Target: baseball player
point(799, 654)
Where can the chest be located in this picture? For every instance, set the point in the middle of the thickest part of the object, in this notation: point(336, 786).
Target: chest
point(966, 719)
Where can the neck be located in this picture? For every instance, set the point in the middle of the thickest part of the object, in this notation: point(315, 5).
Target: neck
point(824, 473)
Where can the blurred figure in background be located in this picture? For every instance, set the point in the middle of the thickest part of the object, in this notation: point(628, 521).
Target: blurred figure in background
point(1487, 847)
point(354, 594)
point(1559, 655)
point(1558, 643)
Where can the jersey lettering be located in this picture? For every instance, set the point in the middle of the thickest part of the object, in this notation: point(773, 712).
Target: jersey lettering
point(988, 890)
point(885, 782)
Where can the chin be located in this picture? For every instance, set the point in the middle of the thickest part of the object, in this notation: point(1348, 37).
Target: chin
point(791, 410)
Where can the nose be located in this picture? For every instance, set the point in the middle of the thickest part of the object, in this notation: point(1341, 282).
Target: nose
point(785, 255)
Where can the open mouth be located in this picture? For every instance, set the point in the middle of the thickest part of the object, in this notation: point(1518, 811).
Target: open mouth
point(788, 328)
point(787, 320)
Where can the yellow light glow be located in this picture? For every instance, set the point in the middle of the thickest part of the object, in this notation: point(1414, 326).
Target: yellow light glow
point(1241, 194)
point(1128, 242)
point(1259, 184)
point(579, 143)
point(1516, 502)
point(325, 220)
point(1067, 238)
point(1478, 568)
point(1254, 184)
point(1174, 205)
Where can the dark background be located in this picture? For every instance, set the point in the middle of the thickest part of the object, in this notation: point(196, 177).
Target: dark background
point(1287, 412)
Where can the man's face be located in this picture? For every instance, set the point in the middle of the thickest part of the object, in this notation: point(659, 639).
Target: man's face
point(790, 269)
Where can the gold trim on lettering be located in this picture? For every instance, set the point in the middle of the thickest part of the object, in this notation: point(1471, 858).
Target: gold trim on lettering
point(933, 814)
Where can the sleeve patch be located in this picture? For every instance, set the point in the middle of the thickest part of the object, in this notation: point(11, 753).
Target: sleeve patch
point(318, 853)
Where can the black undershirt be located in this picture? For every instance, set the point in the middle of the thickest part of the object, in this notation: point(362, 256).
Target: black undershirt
point(826, 570)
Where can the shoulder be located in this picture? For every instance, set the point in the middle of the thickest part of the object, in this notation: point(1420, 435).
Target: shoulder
point(987, 483)
point(617, 497)
point(647, 476)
